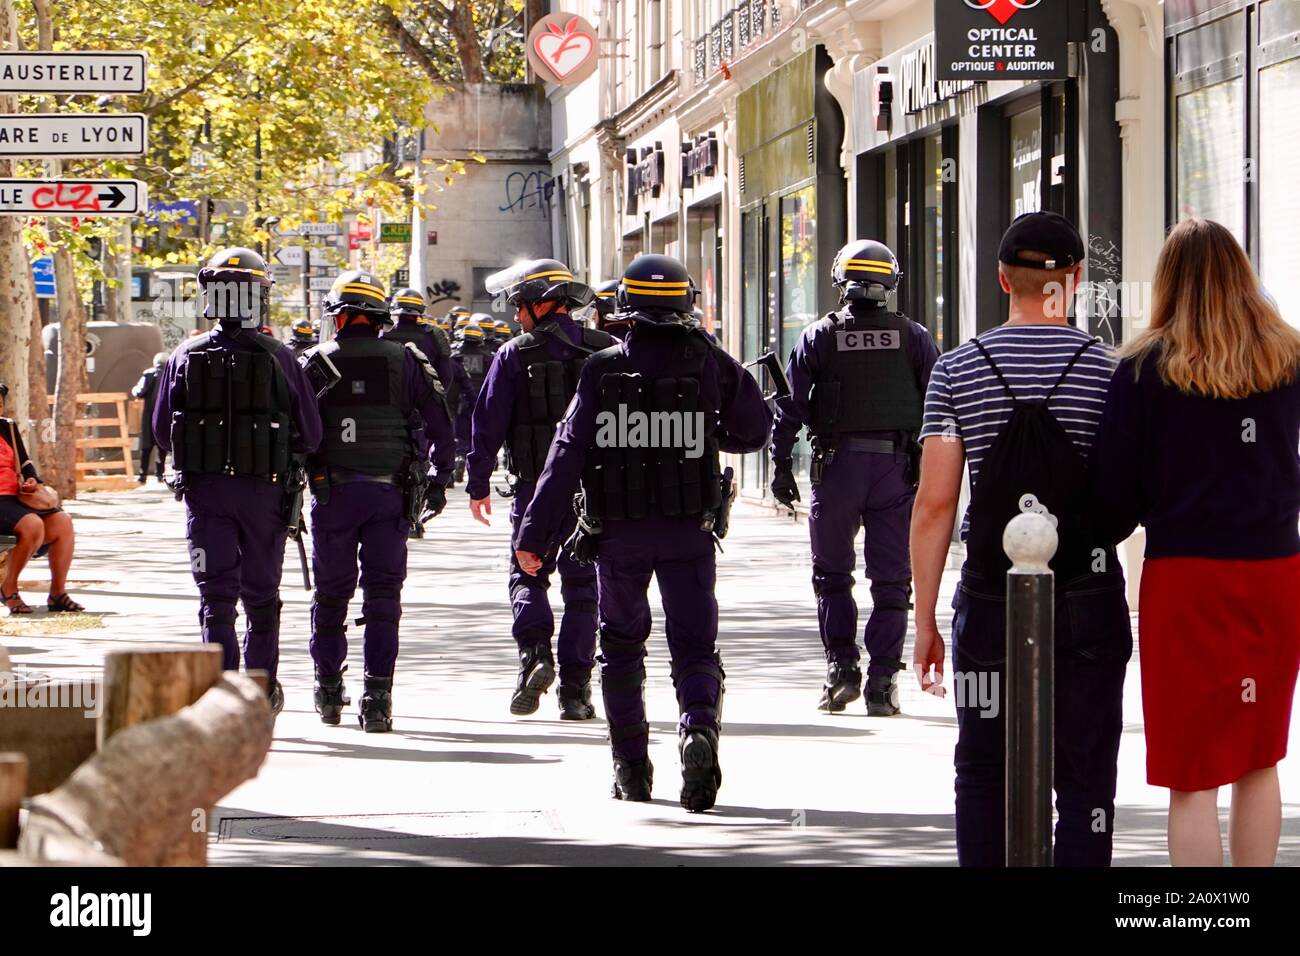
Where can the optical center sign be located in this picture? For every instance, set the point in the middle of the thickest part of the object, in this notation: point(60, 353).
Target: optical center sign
point(1001, 39)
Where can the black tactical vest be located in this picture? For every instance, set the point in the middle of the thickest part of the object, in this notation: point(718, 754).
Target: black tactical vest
point(868, 384)
point(475, 359)
point(641, 464)
point(542, 394)
point(365, 429)
point(427, 338)
point(232, 416)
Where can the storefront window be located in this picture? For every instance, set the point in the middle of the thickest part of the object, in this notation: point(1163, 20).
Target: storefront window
point(633, 246)
point(798, 285)
point(664, 238)
point(1209, 155)
point(1279, 206)
point(751, 337)
point(702, 263)
point(1026, 161)
point(932, 259)
point(798, 265)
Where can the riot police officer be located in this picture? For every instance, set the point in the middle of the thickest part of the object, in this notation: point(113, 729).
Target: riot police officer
point(473, 357)
point(303, 335)
point(858, 380)
point(504, 332)
point(526, 392)
point(234, 408)
point(651, 506)
point(407, 311)
point(369, 482)
point(606, 307)
point(147, 389)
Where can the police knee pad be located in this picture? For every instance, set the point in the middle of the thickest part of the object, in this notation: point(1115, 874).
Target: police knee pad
point(884, 595)
point(217, 609)
point(328, 613)
point(825, 584)
point(264, 616)
point(381, 605)
point(611, 645)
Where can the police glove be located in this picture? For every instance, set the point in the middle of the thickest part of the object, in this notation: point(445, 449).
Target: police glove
point(435, 499)
point(784, 488)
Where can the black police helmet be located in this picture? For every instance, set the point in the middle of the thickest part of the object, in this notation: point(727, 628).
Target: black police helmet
point(655, 283)
point(407, 302)
point(237, 288)
point(607, 297)
point(539, 280)
point(358, 291)
point(865, 269)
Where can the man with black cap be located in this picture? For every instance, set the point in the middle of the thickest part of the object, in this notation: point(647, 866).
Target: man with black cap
point(1020, 406)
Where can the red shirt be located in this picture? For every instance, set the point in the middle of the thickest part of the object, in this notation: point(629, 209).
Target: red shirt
point(8, 476)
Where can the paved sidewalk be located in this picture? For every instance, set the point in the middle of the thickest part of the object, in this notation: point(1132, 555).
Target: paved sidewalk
point(461, 781)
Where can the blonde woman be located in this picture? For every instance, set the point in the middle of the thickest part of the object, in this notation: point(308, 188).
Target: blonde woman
point(1199, 443)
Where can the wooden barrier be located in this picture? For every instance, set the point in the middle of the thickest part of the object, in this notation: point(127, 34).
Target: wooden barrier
point(120, 472)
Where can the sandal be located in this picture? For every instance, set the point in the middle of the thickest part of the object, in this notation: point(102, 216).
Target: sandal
point(21, 607)
point(62, 602)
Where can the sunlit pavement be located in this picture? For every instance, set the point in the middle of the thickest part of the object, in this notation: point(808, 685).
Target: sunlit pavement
point(460, 781)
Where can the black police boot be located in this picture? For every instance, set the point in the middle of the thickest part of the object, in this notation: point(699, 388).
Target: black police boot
point(536, 674)
point(701, 773)
point(575, 702)
point(376, 716)
point(459, 474)
point(275, 697)
point(843, 686)
point(882, 695)
point(633, 781)
point(330, 698)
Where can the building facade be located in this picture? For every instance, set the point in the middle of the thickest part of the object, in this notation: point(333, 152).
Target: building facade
point(754, 138)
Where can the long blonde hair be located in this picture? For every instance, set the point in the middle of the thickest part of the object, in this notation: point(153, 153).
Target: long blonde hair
point(1216, 332)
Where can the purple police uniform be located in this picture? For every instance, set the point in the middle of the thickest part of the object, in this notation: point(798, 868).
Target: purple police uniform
point(469, 391)
point(410, 329)
point(858, 489)
point(673, 549)
point(534, 622)
point(236, 526)
point(366, 516)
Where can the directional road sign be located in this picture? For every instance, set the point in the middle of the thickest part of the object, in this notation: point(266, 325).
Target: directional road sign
point(71, 197)
point(53, 135)
point(43, 273)
point(74, 71)
point(321, 283)
point(290, 256)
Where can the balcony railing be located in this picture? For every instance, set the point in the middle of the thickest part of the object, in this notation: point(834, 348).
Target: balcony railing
point(740, 28)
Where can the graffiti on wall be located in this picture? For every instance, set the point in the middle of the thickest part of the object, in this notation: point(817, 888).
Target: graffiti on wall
point(444, 290)
point(527, 190)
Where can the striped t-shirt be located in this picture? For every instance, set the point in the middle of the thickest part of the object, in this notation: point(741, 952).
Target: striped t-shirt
point(965, 399)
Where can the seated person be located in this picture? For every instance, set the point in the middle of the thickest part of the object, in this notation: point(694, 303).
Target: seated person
point(38, 532)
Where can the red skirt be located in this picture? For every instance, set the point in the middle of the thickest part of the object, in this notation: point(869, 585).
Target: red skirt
point(1220, 649)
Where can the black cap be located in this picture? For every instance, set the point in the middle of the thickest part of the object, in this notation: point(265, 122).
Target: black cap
point(1045, 232)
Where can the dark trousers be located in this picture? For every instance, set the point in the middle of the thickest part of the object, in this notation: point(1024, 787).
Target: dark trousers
point(362, 519)
point(861, 489)
point(681, 558)
point(1093, 644)
point(534, 621)
point(236, 534)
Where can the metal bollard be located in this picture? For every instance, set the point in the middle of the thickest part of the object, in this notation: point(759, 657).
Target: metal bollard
point(1029, 541)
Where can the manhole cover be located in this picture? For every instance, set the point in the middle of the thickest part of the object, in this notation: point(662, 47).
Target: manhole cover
point(376, 831)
